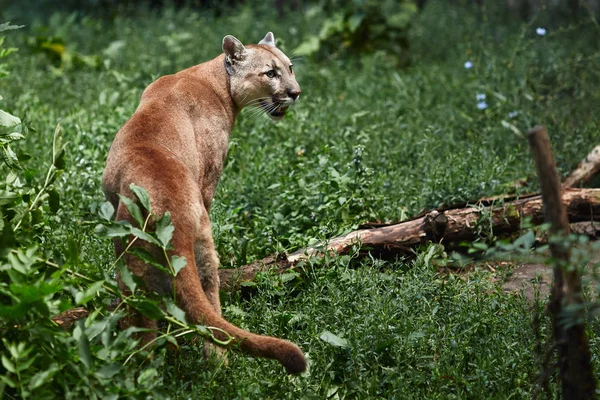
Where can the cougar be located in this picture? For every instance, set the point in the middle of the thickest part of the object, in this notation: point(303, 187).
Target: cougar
point(174, 146)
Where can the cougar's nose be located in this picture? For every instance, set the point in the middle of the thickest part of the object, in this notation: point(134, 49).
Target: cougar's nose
point(294, 94)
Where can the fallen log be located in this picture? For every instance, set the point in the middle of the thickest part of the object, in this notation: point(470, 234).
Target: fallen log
point(584, 172)
point(440, 226)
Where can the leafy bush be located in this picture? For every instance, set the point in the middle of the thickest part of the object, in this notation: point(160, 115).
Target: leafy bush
point(40, 359)
point(362, 26)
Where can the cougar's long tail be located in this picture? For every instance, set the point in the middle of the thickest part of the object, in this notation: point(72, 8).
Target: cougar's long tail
point(193, 301)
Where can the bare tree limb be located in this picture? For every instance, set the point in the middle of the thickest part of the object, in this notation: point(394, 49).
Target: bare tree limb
point(576, 373)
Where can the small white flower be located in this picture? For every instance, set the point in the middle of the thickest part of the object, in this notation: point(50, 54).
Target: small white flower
point(480, 96)
point(540, 31)
point(482, 105)
point(468, 65)
point(513, 114)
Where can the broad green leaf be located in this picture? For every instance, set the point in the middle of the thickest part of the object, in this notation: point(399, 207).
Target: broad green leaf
point(53, 201)
point(127, 277)
point(8, 381)
point(83, 345)
point(89, 293)
point(24, 365)
point(23, 261)
point(11, 136)
point(175, 311)
point(7, 197)
point(9, 157)
point(147, 307)
point(147, 376)
point(144, 255)
point(178, 264)
point(96, 328)
point(289, 276)
point(148, 258)
point(108, 371)
point(106, 211)
point(42, 377)
point(7, 119)
point(114, 230)
point(164, 229)
point(142, 195)
point(133, 209)
point(333, 339)
point(144, 236)
point(8, 364)
point(58, 149)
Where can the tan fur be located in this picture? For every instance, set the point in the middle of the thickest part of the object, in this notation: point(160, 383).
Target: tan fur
point(175, 146)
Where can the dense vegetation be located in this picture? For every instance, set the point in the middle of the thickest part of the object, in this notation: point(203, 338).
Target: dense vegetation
point(370, 141)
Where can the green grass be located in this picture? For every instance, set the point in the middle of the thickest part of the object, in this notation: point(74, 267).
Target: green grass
point(410, 333)
point(368, 142)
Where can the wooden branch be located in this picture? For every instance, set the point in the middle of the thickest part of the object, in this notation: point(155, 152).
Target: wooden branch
point(445, 226)
point(585, 171)
point(68, 318)
point(576, 373)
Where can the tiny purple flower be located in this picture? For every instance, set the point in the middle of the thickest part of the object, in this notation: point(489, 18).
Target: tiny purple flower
point(482, 105)
point(540, 31)
point(468, 65)
point(480, 96)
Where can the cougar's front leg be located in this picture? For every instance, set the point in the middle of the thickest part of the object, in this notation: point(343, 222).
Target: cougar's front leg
point(207, 262)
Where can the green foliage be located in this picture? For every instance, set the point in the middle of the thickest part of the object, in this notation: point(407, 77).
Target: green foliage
point(40, 359)
point(368, 142)
point(60, 57)
point(361, 26)
point(8, 122)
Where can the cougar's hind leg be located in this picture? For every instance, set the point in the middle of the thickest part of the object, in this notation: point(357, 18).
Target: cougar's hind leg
point(207, 261)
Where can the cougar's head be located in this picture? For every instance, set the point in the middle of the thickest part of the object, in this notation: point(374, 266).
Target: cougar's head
point(260, 75)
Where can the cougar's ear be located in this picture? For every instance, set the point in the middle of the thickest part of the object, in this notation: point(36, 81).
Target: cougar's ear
point(269, 40)
point(234, 49)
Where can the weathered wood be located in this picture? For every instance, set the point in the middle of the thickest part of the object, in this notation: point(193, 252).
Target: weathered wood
point(586, 169)
point(575, 368)
point(445, 226)
point(68, 318)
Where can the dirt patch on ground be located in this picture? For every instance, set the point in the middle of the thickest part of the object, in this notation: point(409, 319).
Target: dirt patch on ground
point(530, 280)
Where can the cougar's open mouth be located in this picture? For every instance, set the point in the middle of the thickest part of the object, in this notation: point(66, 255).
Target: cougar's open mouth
point(275, 110)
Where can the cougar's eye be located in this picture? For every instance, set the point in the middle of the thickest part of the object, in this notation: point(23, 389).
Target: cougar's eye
point(271, 73)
